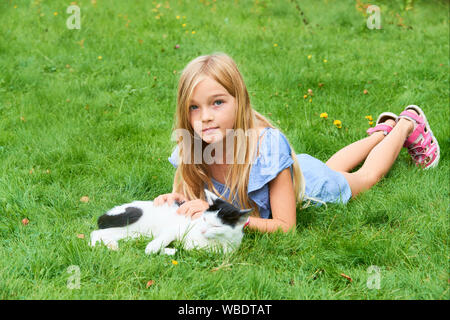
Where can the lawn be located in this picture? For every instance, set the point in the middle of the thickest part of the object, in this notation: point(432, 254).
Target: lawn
point(85, 124)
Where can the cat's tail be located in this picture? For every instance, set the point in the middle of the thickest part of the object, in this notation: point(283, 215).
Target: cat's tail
point(130, 216)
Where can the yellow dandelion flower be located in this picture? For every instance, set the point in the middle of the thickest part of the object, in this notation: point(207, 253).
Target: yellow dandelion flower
point(369, 118)
point(193, 32)
point(183, 25)
point(275, 45)
point(100, 57)
point(370, 122)
point(174, 262)
point(55, 13)
point(310, 56)
point(310, 100)
point(324, 115)
point(337, 123)
point(15, 6)
point(178, 17)
point(305, 96)
point(325, 60)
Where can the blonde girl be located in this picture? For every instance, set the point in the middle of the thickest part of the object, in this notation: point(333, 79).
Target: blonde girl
point(265, 173)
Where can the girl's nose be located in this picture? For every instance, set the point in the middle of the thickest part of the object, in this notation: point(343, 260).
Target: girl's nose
point(206, 115)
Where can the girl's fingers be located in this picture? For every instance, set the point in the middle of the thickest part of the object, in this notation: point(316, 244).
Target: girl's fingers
point(186, 209)
point(197, 215)
point(192, 211)
point(159, 200)
point(192, 207)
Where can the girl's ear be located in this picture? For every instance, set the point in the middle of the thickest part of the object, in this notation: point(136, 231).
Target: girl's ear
point(210, 197)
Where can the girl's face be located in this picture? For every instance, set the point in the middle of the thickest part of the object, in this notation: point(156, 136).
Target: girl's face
point(211, 106)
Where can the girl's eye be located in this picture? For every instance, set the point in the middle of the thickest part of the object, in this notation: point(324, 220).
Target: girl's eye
point(192, 107)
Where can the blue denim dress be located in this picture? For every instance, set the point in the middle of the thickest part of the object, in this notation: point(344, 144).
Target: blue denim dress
point(322, 184)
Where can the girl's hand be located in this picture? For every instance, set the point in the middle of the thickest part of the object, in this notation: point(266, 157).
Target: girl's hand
point(170, 198)
point(193, 208)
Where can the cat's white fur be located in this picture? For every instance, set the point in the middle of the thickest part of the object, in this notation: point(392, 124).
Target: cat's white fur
point(165, 225)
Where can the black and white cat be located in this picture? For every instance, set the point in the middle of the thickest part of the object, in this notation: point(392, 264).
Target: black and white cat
point(220, 226)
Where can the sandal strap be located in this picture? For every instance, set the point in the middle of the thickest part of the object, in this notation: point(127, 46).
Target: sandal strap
point(410, 116)
point(419, 131)
point(381, 127)
point(424, 146)
point(431, 150)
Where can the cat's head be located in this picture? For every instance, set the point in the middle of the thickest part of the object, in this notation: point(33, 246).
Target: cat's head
point(222, 219)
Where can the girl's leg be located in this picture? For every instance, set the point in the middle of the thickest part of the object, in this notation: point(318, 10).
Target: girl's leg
point(350, 156)
point(380, 159)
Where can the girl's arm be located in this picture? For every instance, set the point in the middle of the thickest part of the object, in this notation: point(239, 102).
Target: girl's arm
point(282, 204)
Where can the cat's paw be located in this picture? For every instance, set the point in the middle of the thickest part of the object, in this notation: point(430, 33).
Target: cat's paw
point(153, 247)
point(97, 239)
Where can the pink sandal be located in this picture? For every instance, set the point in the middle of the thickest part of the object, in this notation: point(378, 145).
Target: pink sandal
point(380, 126)
point(422, 145)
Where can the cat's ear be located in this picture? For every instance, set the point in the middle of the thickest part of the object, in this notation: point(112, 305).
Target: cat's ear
point(210, 197)
point(245, 213)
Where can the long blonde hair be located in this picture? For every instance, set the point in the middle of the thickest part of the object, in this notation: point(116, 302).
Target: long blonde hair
point(190, 177)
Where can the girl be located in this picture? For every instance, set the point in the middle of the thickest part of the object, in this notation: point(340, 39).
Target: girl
point(213, 101)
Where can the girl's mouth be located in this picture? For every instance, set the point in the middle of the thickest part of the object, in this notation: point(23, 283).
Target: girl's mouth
point(209, 130)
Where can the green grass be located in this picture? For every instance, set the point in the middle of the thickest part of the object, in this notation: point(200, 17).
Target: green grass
point(102, 129)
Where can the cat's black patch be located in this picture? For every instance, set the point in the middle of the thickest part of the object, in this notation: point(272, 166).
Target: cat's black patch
point(228, 213)
point(130, 216)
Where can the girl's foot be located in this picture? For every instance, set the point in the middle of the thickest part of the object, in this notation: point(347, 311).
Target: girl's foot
point(421, 142)
point(390, 122)
point(385, 123)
